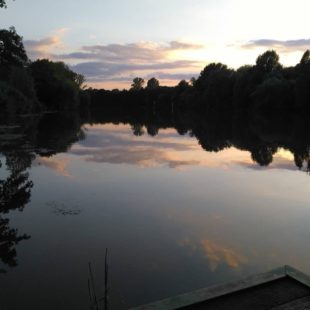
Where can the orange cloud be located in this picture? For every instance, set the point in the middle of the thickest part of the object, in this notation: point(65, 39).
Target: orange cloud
point(46, 47)
point(216, 253)
point(57, 164)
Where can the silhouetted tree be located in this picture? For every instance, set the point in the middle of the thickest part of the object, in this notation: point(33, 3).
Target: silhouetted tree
point(12, 51)
point(57, 86)
point(193, 81)
point(302, 90)
point(207, 73)
point(273, 93)
point(17, 94)
point(215, 84)
point(305, 60)
point(183, 85)
point(268, 61)
point(137, 83)
point(152, 83)
point(2, 4)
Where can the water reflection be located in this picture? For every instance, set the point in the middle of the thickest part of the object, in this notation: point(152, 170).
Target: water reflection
point(215, 253)
point(19, 144)
point(15, 192)
point(182, 203)
point(111, 144)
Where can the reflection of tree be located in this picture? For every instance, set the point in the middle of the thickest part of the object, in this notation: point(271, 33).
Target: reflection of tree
point(57, 132)
point(261, 133)
point(15, 193)
point(9, 238)
point(263, 155)
point(152, 130)
point(137, 129)
point(302, 158)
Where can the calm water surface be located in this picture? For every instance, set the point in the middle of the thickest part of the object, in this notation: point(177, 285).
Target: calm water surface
point(174, 218)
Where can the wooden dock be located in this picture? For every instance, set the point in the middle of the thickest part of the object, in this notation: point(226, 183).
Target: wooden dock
point(283, 288)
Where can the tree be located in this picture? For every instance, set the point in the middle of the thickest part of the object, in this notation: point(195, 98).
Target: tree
point(137, 83)
point(268, 62)
point(2, 4)
point(152, 83)
point(193, 81)
point(207, 75)
point(79, 79)
point(305, 60)
point(183, 84)
point(12, 51)
point(17, 94)
point(302, 90)
point(57, 86)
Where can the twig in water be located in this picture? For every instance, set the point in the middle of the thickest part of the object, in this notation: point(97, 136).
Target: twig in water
point(93, 287)
point(106, 270)
point(90, 296)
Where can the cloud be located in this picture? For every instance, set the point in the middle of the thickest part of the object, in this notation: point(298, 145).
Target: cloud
point(174, 45)
point(122, 62)
point(141, 52)
point(283, 46)
point(44, 48)
point(172, 76)
point(104, 71)
point(118, 62)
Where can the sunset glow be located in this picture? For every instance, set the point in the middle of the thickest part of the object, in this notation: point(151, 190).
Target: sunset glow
point(110, 43)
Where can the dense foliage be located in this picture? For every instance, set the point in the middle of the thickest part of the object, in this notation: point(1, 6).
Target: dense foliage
point(28, 87)
point(2, 4)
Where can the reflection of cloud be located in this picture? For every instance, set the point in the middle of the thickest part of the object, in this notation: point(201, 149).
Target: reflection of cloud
point(285, 165)
point(57, 164)
point(284, 46)
point(141, 156)
point(216, 253)
point(283, 160)
point(115, 144)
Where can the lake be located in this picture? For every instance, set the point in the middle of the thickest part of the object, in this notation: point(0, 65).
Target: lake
point(173, 216)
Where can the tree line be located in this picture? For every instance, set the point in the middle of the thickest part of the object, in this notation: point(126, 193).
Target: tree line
point(267, 86)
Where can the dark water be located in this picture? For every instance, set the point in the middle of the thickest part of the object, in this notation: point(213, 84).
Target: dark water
point(173, 216)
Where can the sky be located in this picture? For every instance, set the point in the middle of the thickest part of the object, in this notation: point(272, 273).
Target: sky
point(111, 42)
